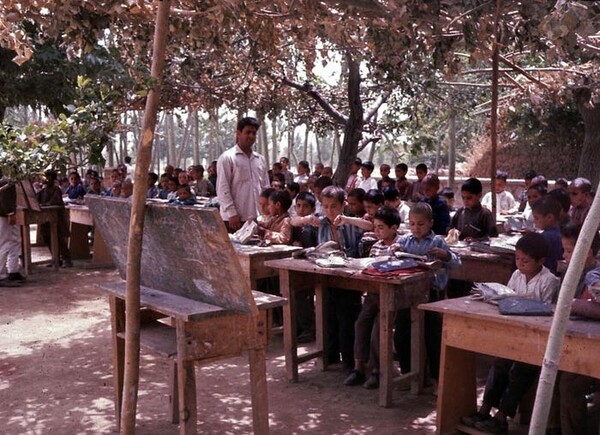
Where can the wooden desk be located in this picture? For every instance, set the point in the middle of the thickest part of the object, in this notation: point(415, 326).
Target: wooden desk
point(252, 259)
point(25, 218)
point(394, 294)
point(81, 219)
point(482, 267)
point(193, 332)
point(476, 327)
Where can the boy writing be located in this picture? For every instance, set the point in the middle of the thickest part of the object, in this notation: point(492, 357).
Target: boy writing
point(473, 220)
point(508, 380)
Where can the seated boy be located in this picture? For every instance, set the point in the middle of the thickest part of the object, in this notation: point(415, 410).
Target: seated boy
point(416, 192)
point(293, 189)
point(264, 213)
point(402, 184)
point(508, 380)
point(306, 235)
point(422, 241)
point(473, 220)
point(439, 208)
point(184, 196)
point(355, 206)
point(392, 199)
point(505, 202)
point(573, 388)
point(320, 184)
point(343, 305)
point(277, 229)
point(384, 170)
point(368, 182)
point(580, 191)
point(546, 213)
point(534, 194)
point(152, 191)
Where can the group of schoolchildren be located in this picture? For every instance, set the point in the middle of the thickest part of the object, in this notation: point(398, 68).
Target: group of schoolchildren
point(324, 212)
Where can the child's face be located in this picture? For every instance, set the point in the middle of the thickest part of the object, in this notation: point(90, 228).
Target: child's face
point(469, 199)
point(73, 180)
point(332, 208)
point(543, 221)
point(419, 225)
point(384, 170)
point(577, 197)
point(366, 173)
point(500, 185)
point(527, 265)
point(276, 185)
point(371, 208)
point(275, 169)
point(275, 208)
point(384, 232)
point(400, 173)
point(395, 203)
point(171, 185)
point(354, 168)
point(301, 170)
point(183, 178)
point(183, 194)
point(317, 192)
point(421, 174)
point(355, 206)
point(292, 193)
point(568, 246)
point(533, 196)
point(303, 208)
point(164, 182)
point(263, 206)
point(430, 190)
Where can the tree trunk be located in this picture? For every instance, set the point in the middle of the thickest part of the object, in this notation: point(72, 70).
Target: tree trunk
point(264, 141)
point(543, 397)
point(318, 146)
point(452, 150)
point(336, 146)
point(170, 133)
point(136, 226)
point(2, 113)
point(589, 162)
point(494, 108)
point(305, 152)
point(196, 142)
point(275, 148)
point(291, 155)
point(354, 125)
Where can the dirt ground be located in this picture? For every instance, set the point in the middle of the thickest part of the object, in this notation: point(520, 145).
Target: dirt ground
point(56, 375)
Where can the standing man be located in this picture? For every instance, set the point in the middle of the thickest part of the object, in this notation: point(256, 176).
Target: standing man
point(10, 238)
point(242, 176)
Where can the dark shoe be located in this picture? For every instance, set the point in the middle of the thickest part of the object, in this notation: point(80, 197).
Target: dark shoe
point(493, 425)
point(51, 264)
point(373, 382)
point(67, 263)
point(16, 276)
point(476, 417)
point(354, 378)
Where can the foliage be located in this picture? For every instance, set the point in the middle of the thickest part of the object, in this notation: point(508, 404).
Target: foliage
point(76, 139)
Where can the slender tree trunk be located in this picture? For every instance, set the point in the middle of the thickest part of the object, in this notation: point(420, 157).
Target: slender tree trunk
point(494, 108)
point(291, 154)
point(452, 150)
point(196, 143)
point(543, 397)
point(170, 134)
point(318, 147)
point(2, 113)
point(354, 125)
point(274, 142)
point(589, 162)
point(264, 141)
point(336, 146)
point(136, 227)
point(305, 152)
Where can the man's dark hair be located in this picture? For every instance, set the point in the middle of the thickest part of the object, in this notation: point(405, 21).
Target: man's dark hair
point(304, 164)
point(547, 205)
point(308, 197)
point(388, 215)
point(571, 231)
point(248, 121)
point(357, 193)
point(282, 197)
point(153, 176)
point(199, 169)
point(534, 245)
point(374, 196)
point(472, 185)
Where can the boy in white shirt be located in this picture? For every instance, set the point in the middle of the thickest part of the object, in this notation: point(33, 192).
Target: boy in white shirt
point(505, 202)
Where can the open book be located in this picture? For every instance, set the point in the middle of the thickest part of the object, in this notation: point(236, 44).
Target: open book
point(490, 292)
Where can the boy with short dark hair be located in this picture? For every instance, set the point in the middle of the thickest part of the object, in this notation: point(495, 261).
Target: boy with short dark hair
point(392, 199)
point(441, 212)
point(402, 184)
point(353, 179)
point(184, 196)
point(580, 191)
point(368, 182)
point(384, 170)
point(277, 228)
point(320, 184)
point(546, 214)
point(416, 193)
point(507, 380)
point(303, 172)
point(505, 202)
point(355, 206)
point(474, 221)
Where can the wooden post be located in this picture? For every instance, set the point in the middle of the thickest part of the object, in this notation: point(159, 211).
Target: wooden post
point(136, 227)
point(543, 397)
point(494, 114)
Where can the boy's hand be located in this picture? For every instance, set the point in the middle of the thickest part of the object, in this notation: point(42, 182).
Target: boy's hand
point(439, 253)
point(339, 220)
point(314, 221)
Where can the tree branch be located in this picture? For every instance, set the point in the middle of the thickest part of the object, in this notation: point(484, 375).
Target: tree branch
point(375, 108)
point(522, 71)
point(309, 89)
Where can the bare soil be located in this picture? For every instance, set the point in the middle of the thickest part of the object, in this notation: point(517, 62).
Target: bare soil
point(56, 375)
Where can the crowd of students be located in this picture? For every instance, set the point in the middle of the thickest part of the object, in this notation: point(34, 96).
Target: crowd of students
point(312, 210)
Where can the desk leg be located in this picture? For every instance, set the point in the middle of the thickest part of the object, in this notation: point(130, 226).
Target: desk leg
point(417, 344)
point(101, 253)
point(321, 323)
point(26, 245)
point(386, 327)
point(290, 347)
point(117, 320)
point(186, 378)
point(54, 244)
point(457, 394)
point(259, 392)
